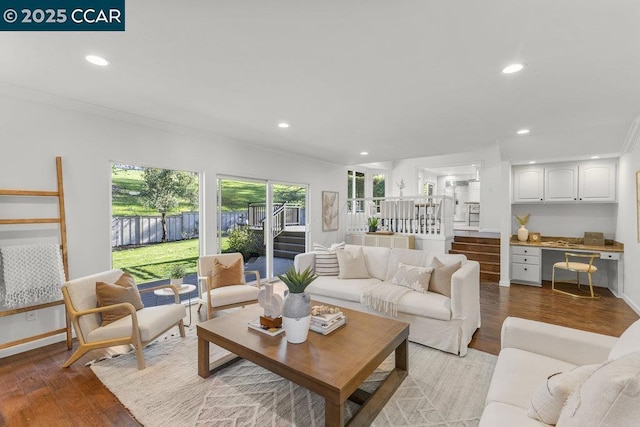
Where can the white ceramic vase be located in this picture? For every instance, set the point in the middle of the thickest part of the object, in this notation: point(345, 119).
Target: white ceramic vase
point(296, 316)
point(523, 234)
point(177, 282)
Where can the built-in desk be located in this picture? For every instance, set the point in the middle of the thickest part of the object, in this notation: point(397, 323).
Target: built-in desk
point(533, 262)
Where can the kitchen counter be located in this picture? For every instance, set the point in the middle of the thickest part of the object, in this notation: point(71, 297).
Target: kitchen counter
point(569, 243)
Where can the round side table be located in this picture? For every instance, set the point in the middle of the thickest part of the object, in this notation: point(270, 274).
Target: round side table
point(184, 289)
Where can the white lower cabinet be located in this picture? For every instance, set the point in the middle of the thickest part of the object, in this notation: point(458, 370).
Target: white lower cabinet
point(383, 240)
point(525, 265)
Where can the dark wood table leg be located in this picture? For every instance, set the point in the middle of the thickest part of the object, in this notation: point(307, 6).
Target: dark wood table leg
point(333, 414)
point(402, 356)
point(203, 357)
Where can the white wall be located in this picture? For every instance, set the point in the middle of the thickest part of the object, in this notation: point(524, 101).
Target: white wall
point(627, 226)
point(33, 134)
point(493, 189)
point(567, 220)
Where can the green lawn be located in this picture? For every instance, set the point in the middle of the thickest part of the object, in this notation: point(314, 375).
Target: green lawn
point(152, 262)
point(123, 203)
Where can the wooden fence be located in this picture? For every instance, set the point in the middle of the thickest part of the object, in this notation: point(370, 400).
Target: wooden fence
point(141, 230)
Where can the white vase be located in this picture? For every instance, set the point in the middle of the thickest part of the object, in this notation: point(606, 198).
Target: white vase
point(296, 330)
point(177, 282)
point(296, 316)
point(523, 234)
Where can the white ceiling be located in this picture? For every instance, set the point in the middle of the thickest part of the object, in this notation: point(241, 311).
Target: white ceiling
point(398, 79)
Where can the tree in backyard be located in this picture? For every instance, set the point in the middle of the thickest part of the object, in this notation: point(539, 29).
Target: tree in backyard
point(165, 189)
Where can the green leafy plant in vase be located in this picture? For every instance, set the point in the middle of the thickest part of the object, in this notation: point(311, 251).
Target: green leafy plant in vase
point(523, 233)
point(176, 274)
point(296, 310)
point(373, 223)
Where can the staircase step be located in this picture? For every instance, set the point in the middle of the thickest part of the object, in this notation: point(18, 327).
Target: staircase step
point(475, 247)
point(293, 234)
point(279, 253)
point(491, 267)
point(290, 239)
point(489, 277)
point(478, 256)
point(473, 239)
point(289, 247)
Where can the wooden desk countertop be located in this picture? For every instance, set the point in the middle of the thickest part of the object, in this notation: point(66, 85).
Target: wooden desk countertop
point(569, 243)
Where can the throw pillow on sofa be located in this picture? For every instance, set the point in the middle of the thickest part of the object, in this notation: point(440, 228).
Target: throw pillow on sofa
point(326, 259)
point(609, 397)
point(441, 277)
point(413, 276)
point(352, 266)
point(547, 401)
point(123, 290)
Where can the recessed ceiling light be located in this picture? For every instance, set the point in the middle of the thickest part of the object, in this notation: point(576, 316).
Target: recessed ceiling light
point(523, 131)
point(364, 153)
point(513, 68)
point(532, 162)
point(97, 60)
point(595, 157)
point(283, 125)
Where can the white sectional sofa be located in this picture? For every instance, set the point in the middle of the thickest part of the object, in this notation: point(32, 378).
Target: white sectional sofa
point(435, 320)
point(532, 352)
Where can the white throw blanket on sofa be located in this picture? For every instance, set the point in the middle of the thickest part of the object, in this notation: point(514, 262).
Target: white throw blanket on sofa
point(384, 297)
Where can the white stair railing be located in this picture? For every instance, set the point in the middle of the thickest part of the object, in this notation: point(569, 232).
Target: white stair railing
point(411, 215)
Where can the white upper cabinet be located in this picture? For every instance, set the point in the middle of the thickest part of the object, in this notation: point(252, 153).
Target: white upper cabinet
point(597, 182)
point(561, 183)
point(528, 184)
point(593, 181)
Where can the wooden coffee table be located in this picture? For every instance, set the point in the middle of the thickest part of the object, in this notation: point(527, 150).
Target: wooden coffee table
point(332, 366)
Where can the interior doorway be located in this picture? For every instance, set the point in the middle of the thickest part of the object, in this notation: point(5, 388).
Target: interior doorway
point(461, 182)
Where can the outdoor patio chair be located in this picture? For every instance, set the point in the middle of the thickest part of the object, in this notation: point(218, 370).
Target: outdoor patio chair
point(222, 282)
point(138, 329)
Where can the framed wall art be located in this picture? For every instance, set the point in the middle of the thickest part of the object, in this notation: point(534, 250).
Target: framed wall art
point(330, 210)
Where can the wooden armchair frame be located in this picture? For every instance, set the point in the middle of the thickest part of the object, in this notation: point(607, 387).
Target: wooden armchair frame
point(134, 339)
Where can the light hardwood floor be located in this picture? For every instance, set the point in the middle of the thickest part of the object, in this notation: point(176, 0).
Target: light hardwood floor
point(36, 391)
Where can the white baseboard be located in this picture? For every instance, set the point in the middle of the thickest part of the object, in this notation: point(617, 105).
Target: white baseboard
point(505, 283)
point(631, 304)
point(21, 348)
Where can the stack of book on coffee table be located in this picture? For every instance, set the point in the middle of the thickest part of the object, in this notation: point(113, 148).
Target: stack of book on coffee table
point(326, 323)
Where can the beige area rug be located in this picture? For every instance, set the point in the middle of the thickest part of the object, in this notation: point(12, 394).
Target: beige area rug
point(441, 390)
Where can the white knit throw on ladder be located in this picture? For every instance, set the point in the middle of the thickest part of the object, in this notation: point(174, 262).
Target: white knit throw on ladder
point(31, 273)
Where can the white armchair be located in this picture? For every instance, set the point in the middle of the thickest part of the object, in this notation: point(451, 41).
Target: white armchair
point(139, 328)
point(220, 288)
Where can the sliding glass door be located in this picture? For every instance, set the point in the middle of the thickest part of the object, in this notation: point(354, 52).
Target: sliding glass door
point(263, 220)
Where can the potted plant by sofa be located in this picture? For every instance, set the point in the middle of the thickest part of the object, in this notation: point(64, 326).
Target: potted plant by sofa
point(296, 310)
point(176, 274)
point(373, 223)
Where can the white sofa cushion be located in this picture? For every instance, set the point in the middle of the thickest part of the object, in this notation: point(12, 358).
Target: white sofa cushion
point(375, 258)
point(518, 374)
point(352, 264)
point(628, 342)
point(413, 277)
point(498, 414)
point(427, 304)
point(609, 397)
point(547, 401)
point(405, 256)
point(326, 259)
point(349, 290)
point(232, 295)
point(151, 320)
